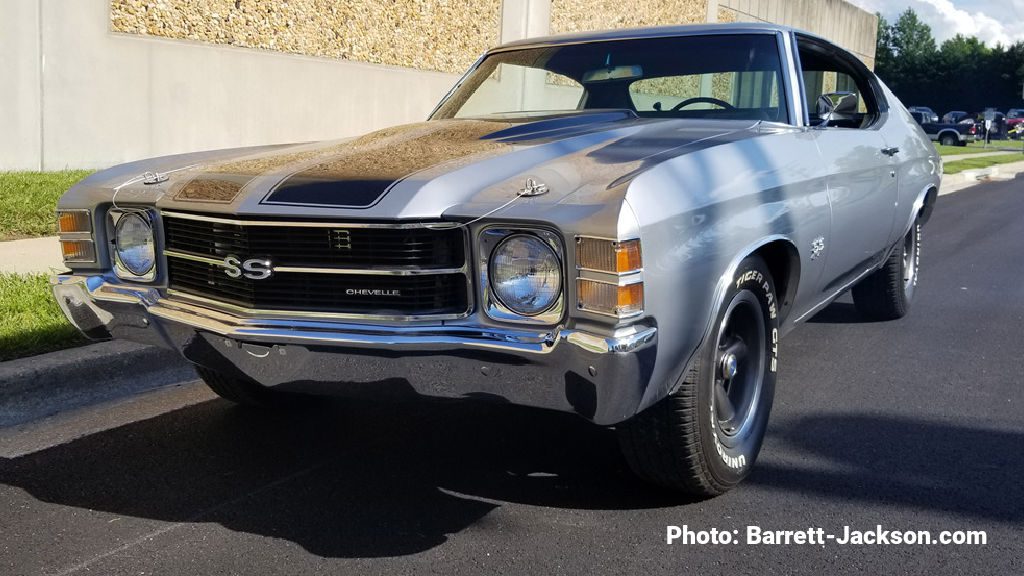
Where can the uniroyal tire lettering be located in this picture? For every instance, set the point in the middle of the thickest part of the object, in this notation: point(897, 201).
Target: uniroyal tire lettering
point(734, 462)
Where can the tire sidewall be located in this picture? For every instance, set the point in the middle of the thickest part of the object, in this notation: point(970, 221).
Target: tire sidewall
point(915, 261)
point(730, 459)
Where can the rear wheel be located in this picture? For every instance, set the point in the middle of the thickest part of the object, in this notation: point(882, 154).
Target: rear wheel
point(949, 140)
point(238, 390)
point(703, 439)
point(886, 294)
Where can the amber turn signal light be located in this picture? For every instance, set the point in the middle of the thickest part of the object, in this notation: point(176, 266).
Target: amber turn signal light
point(78, 250)
point(616, 257)
point(611, 299)
point(71, 221)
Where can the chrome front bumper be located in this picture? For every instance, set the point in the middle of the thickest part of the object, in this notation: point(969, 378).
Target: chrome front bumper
point(602, 378)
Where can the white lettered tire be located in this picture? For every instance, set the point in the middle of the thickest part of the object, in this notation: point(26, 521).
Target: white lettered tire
point(704, 438)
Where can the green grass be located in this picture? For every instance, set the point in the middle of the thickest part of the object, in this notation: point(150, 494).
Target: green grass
point(973, 148)
point(30, 320)
point(28, 201)
point(980, 162)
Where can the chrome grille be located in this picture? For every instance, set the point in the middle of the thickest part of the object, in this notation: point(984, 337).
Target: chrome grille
point(359, 270)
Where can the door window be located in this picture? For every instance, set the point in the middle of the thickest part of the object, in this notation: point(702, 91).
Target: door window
point(828, 73)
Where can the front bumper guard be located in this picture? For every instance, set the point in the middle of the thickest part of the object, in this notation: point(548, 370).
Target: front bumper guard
point(602, 378)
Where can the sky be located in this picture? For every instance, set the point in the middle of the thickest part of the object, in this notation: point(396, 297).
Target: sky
point(990, 20)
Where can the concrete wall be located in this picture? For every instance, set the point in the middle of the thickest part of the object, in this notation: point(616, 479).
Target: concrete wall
point(440, 35)
point(841, 22)
point(78, 95)
point(84, 97)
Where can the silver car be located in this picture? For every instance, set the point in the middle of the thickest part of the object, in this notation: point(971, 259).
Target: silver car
point(619, 225)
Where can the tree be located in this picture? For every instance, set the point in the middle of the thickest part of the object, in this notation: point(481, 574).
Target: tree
point(911, 38)
point(884, 56)
point(962, 74)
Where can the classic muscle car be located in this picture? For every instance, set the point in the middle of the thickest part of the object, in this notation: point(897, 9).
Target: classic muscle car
point(619, 225)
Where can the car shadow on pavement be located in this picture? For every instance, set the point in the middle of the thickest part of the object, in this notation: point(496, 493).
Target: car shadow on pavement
point(339, 478)
point(841, 313)
point(972, 472)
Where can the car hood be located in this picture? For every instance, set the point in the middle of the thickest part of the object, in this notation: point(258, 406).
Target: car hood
point(459, 168)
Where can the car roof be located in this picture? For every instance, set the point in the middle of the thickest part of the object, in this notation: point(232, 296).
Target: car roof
point(656, 32)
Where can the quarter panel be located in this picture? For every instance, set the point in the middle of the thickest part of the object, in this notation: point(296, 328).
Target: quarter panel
point(918, 165)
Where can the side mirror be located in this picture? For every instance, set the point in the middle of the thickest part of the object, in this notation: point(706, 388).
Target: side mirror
point(836, 104)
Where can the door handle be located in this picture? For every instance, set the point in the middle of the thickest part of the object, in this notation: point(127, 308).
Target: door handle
point(890, 151)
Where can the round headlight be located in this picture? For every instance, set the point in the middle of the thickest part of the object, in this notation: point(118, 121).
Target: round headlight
point(526, 275)
point(134, 241)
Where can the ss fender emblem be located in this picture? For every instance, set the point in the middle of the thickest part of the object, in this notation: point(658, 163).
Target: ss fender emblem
point(253, 268)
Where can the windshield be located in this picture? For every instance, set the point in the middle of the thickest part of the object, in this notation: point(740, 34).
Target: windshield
point(734, 77)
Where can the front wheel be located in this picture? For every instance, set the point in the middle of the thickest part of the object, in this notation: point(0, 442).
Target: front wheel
point(886, 294)
point(703, 439)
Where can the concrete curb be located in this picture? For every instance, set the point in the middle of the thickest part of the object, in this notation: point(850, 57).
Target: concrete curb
point(968, 178)
point(43, 385)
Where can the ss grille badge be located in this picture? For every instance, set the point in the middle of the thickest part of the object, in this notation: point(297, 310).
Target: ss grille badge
point(341, 239)
point(253, 268)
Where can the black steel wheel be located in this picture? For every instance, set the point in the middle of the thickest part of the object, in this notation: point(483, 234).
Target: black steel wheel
point(704, 438)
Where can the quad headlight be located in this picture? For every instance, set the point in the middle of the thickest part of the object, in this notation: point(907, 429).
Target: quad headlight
point(134, 244)
point(525, 274)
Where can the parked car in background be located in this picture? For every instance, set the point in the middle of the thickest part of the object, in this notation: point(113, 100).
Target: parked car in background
point(957, 116)
point(1014, 119)
point(617, 225)
point(947, 134)
point(932, 116)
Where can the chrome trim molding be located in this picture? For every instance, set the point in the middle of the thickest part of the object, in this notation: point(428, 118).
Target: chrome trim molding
point(306, 223)
point(98, 289)
point(376, 271)
point(260, 313)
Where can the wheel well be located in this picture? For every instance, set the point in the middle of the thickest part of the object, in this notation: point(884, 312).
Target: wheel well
point(928, 205)
point(784, 263)
point(951, 133)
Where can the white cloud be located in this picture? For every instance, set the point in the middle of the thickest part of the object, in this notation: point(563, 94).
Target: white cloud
point(990, 20)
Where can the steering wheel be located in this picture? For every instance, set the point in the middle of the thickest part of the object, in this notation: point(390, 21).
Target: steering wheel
point(703, 100)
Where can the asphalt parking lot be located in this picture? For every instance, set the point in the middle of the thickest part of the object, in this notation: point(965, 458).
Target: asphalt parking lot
point(912, 425)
